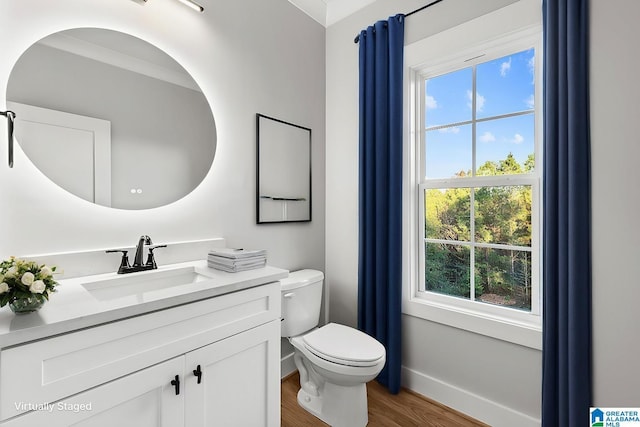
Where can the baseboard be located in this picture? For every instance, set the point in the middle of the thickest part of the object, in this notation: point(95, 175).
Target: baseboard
point(287, 365)
point(468, 403)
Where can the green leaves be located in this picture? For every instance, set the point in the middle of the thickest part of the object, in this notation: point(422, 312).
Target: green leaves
point(502, 235)
point(4, 299)
point(20, 279)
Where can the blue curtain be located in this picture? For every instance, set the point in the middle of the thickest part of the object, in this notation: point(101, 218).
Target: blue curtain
point(566, 382)
point(380, 191)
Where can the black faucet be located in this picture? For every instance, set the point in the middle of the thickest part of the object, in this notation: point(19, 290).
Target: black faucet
point(144, 240)
point(137, 261)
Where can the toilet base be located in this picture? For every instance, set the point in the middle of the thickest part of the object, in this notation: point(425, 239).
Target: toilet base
point(338, 406)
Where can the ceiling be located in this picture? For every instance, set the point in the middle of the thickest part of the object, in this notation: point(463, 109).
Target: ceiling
point(328, 12)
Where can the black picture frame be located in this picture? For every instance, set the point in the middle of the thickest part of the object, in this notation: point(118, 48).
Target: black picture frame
point(283, 171)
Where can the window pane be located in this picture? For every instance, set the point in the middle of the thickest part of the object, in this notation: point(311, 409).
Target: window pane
point(505, 85)
point(503, 215)
point(448, 152)
point(447, 98)
point(447, 269)
point(448, 214)
point(505, 146)
point(503, 277)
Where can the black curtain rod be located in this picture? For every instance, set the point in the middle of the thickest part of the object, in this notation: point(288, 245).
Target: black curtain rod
point(357, 39)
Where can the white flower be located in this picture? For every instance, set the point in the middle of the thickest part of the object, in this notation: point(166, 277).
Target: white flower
point(3, 287)
point(27, 278)
point(45, 272)
point(37, 287)
point(11, 272)
point(1, 277)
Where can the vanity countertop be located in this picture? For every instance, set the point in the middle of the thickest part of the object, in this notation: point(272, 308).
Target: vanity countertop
point(74, 306)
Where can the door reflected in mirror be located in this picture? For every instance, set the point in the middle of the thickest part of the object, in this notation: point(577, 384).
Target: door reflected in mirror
point(283, 171)
point(111, 118)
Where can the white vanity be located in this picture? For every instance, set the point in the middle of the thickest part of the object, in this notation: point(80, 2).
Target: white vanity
point(184, 345)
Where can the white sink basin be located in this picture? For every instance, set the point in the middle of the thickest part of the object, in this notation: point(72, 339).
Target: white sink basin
point(144, 282)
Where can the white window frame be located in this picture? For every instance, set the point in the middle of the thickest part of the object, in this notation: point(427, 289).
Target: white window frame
point(507, 324)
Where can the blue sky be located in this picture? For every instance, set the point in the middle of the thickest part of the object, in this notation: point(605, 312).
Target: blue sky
point(504, 85)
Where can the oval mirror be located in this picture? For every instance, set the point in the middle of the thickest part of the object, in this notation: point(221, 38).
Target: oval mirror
point(111, 118)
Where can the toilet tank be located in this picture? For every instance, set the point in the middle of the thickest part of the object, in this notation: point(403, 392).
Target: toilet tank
point(301, 295)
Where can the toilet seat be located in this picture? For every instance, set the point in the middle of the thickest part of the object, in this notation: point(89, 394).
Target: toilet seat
point(344, 345)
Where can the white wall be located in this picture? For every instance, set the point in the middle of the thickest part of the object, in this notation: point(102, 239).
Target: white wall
point(615, 201)
point(493, 380)
point(248, 57)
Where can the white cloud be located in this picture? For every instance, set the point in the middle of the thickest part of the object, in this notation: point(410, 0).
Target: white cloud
point(517, 139)
point(431, 102)
point(479, 100)
point(454, 129)
point(530, 101)
point(505, 67)
point(487, 137)
point(531, 64)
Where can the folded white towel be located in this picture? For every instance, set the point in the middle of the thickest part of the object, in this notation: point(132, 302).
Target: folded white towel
point(237, 253)
point(236, 268)
point(236, 262)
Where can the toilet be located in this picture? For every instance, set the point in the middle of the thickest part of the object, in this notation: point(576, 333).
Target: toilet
point(334, 361)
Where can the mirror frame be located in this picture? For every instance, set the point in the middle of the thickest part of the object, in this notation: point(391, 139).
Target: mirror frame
point(263, 139)
point(147, 68)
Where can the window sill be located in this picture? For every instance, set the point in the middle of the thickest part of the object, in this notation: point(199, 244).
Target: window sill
point(522, 332)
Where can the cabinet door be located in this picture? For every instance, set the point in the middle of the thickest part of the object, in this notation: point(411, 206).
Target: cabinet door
point(142, 399)
point(240, 381)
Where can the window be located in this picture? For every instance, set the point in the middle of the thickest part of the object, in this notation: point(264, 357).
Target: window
point(478, 166)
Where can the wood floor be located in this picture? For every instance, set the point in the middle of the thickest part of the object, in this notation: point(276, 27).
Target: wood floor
point(385, 410)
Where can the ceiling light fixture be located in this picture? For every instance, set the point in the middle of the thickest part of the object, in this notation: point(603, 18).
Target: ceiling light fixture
point(192, 4)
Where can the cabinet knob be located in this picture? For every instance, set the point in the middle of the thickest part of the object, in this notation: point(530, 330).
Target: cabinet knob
point(176, 383)
point(198, 373)
point(289, 295)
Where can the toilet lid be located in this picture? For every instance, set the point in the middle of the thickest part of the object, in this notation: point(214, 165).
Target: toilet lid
point(344, 345)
